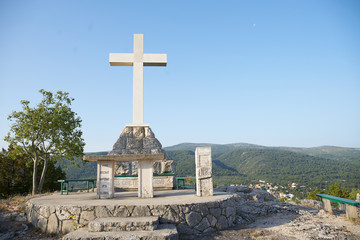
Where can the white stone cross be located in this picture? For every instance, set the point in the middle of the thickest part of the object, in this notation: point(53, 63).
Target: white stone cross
point(138, 59)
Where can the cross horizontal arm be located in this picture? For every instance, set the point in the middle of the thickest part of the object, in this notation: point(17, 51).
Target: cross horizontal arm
point(121, 59)
point(155, 59)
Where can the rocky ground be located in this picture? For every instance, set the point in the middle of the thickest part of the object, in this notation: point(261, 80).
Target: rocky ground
point(260, 216)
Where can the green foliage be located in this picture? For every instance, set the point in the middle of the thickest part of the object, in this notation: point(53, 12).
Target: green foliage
point(243, 165)
point(46, 133)
point(334, 190)
point(312, 195)
point(352, 194)
point(16, 174)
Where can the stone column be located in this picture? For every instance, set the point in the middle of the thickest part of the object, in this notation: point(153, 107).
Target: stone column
point(351, 212)
point(105, 179)
point(204, 183)
point(342, 206)
point(327, 205)
point(358, 197)
point(145, 173)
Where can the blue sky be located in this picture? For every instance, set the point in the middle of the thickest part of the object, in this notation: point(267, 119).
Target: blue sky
point(275, 73)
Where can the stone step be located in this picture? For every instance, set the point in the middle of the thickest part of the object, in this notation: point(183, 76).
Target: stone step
point(163, 232)
point(117, 224)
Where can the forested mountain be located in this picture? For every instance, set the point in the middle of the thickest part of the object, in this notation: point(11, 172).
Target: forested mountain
point(244, 163)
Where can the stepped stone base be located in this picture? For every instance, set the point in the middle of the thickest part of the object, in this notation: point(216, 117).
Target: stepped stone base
point(164, 232)
point(190, 214)
point(115, 224)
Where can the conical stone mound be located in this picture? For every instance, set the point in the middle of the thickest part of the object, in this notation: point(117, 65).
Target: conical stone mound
point(137, 140)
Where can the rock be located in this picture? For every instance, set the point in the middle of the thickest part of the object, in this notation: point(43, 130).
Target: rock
point(102, 211)
point(121, 212)
point(204, 224)
point(42, 223)
point(68, 226)
point(311, 203)
point(141, 211)
point(137, 140)
point(193, 218)
point(230, 211)
point(244, 189)
point(222, 188)
point(215, 212)
point(53, 224)
point(86, 217)
point(222, 222)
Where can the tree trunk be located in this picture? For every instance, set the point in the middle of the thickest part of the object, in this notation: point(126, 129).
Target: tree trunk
point(34, 188)
point(42, 178)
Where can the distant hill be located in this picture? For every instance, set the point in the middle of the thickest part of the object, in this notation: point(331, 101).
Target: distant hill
point(244, 163)
point(215, 148)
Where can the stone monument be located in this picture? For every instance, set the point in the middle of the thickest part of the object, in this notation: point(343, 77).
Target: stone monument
point(137, 142)
point(203, 164)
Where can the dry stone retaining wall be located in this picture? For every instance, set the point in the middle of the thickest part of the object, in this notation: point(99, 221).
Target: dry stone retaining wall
point(192, 218)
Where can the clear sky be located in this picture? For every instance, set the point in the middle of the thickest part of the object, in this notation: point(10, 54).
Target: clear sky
point(275, 73)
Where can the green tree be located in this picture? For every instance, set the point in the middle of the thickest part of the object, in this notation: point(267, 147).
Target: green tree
point(46, 133)
point(16, 173)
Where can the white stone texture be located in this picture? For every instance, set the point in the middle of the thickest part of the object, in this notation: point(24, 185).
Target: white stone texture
point(105, 179)
point(137, 140)
point(145, 172)
point(138, 60)
point(203, 164)
point(351, 212)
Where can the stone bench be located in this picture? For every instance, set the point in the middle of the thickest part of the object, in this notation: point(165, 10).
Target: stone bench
point(349, 205)
point(65, 184)
point(183, 185)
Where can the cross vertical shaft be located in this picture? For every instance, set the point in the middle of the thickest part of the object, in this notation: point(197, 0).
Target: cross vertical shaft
point(138, 83)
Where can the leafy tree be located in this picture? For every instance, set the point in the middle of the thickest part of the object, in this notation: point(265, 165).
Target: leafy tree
point(46, 133)
point(16, 174)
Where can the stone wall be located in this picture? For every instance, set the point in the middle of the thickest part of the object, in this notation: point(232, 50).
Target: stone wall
point(131, 183)
point(192, 218)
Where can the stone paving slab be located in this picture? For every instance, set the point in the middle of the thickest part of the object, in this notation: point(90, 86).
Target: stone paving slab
point(127, 198)
point(164, 232)
point(116, 224)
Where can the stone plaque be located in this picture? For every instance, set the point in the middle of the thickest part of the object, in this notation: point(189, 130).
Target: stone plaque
point(204, 183)
point(105, 179)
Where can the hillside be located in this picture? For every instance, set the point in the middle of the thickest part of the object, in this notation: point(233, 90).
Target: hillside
point(245, 163)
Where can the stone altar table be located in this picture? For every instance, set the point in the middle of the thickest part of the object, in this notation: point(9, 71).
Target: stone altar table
point(105, 172)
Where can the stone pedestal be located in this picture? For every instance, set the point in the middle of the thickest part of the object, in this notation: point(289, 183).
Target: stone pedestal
point(145, 171)
point(203, 164)
point(327, 205)
point(105, 179)
point(351, 212)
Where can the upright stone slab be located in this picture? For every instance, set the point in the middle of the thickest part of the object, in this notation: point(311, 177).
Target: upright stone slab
point(105, 179)
point(204, 182)
point(145, 171)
